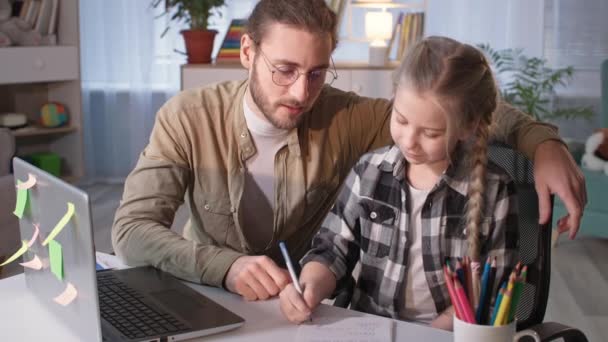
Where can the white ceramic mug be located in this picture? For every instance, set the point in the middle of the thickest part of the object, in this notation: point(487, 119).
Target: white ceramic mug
point(467, 332)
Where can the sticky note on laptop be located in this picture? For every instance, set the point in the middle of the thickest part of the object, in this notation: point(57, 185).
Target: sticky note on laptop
point(22, 195)
point(56, 256)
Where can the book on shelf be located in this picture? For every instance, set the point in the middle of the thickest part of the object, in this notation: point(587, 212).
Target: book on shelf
point(396, 29)
point(53, 19)
point(32, 13)
point(44, 16)
point(338, 6)
point(24, 9)
point(408, 29)
point(231, 46)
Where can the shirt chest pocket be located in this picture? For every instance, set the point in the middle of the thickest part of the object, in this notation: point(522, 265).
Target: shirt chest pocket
point(378, 227)
point(216, 213)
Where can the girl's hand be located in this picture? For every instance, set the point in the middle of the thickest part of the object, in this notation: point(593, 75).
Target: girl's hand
point(298, 308)
point(445, 321)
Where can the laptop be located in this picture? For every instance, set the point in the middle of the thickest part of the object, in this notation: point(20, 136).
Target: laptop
point(134, 304)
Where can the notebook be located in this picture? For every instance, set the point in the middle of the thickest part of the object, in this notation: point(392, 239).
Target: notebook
point(135, 304)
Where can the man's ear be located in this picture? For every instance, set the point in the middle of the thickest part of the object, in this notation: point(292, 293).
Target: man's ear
point(247, 51)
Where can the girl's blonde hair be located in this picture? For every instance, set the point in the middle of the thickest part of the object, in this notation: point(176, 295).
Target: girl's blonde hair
point(460, 79)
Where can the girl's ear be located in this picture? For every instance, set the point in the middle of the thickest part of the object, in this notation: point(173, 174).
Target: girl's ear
point(247, 51)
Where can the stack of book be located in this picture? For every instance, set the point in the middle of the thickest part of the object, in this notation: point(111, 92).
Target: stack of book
point(40, 15)
point(231, 46)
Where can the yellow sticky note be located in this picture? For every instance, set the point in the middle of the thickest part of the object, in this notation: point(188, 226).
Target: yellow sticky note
point(22, 195)
point(17, 253)
point(59, 226)
point(56, 256)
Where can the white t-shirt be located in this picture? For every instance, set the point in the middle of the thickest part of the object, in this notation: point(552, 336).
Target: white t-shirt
point(258, 201)
point(419, 304)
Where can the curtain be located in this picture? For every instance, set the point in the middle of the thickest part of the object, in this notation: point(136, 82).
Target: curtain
point(128, 72)
point(502, 24)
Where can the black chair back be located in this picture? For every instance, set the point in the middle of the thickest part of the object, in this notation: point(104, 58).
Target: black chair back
point(534, 238)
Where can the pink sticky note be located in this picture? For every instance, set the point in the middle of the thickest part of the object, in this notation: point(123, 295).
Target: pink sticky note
point(31, 181)
point(35, 235)
point(67, 296)
point(35, 263)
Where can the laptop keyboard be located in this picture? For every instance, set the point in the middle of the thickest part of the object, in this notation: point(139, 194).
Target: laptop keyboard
point(123, 308)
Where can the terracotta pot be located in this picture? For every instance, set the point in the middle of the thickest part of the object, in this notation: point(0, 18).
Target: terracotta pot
point(199, 45)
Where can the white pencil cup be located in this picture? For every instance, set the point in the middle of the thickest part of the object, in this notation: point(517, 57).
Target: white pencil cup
point(467, 332)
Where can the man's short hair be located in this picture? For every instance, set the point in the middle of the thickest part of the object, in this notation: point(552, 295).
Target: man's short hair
point(313, 16)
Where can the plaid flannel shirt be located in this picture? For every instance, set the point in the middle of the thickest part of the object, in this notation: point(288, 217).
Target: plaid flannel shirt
point(368, 224)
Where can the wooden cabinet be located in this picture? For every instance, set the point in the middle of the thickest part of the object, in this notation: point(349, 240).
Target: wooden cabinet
point(362, 79)
point(33, 76)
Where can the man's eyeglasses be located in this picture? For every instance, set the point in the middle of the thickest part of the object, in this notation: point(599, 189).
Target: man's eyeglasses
point(286, 75)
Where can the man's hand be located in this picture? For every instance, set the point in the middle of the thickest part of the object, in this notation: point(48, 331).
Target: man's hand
point(556, 172)
point(256, 277)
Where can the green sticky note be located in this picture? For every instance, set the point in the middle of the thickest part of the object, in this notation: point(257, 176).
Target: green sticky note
point(56, 255)
point(22, 195)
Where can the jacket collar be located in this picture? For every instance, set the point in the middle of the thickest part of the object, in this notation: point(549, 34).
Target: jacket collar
point(456, 176)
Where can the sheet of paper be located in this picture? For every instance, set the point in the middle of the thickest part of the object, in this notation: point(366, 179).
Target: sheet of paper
point(31, 181)
point(21, 203)
point(59, 226)
point(108, 261)
point(17, 254)
point(56, 256)
point(35, 263)
point(35, 235)
point(67, 296)
point(343, 329)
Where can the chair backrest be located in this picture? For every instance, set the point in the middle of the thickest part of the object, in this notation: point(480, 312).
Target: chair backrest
point(7, 150)
point(534, 238)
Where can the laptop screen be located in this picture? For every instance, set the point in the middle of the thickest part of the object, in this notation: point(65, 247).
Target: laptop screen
point(68, 258)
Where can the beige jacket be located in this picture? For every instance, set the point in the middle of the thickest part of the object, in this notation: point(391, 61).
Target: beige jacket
point(197, 153)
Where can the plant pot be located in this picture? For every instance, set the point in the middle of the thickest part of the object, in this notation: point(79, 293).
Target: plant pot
point(199, 45)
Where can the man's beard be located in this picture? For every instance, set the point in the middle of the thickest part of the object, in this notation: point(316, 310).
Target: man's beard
point(262, 102)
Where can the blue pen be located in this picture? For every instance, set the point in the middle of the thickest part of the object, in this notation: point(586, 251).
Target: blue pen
point(290, 268)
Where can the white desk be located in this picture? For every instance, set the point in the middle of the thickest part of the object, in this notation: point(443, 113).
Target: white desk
point(22, 319)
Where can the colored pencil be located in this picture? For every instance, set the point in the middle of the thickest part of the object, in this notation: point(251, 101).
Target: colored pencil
point(503, 311)
point(469, 278)
point(450, 284)
point(484, 292)
point(464, 303)
point(517, 290)
point(497, 303)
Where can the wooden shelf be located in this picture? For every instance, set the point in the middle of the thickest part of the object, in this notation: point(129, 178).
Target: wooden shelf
point(32, 131)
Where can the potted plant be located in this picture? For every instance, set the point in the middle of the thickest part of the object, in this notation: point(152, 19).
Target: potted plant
point(198, 39)
point(529, 84)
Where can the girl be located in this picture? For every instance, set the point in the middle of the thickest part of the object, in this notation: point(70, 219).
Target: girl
point(405, 209)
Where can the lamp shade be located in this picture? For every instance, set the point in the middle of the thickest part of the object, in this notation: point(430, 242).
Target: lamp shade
point(378, 25)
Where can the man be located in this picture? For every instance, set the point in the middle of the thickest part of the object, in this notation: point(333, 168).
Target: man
point(262, 160)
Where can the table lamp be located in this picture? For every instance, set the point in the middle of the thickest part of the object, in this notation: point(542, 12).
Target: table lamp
point(378, 28)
